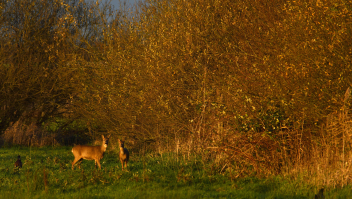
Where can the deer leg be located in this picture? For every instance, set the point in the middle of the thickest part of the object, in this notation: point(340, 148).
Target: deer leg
point(122, 164)
point(98, 162)
point(79, 163)
point(74, 162)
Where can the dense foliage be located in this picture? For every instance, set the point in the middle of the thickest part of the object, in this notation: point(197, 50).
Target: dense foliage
point(254, 80)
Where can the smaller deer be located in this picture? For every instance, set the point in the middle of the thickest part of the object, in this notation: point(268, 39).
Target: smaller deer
point(90, 152)
point(124, 154)
point(18, 163)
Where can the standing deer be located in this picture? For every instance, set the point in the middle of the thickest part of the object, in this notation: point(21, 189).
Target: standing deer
point(18, 163)
point(124, 154)
point(90, 152)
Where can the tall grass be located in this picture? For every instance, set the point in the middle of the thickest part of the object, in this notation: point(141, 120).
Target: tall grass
point(48, 174)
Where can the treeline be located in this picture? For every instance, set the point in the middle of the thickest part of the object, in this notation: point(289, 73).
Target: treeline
point(42, 43)
point(255, 80)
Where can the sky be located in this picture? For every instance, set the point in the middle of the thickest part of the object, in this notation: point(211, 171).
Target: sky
point(116, 3)
point(129, 3)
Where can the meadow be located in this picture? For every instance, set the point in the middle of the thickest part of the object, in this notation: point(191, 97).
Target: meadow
point(47, 173)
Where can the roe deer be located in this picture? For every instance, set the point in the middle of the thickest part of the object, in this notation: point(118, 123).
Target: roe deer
point(18, 163)
point(124, 154)
point(90, 152)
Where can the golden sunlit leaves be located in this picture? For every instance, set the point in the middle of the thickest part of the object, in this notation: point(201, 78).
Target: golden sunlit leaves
point(45, 50)
point(201, 60)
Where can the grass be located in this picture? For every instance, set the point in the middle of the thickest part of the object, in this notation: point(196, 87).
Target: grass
point(47, 173)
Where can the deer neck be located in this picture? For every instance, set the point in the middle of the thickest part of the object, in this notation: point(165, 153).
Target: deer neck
point(122, 151)
point(103, 147)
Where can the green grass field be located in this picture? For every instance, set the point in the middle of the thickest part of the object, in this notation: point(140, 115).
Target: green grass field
point(47, 173)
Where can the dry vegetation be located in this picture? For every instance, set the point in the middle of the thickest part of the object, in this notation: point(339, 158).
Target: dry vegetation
point(259, 87)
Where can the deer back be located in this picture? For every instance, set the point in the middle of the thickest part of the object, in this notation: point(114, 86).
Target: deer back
point(88, 152)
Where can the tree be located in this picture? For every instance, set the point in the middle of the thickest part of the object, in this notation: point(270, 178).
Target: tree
point(41, 42)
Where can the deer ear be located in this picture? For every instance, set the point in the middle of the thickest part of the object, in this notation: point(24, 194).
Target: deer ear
point(102, 136)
